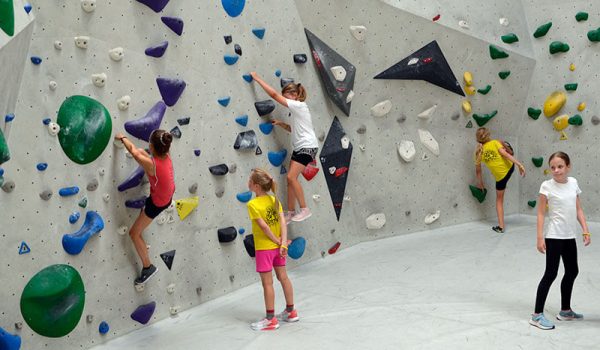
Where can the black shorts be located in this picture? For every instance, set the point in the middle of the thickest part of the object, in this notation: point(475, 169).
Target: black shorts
point(501, 185)
point(152, 210)
point(303, 157)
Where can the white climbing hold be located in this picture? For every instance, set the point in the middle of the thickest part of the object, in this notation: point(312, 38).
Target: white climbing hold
point(347, 198)
point(58, 45)
point(118, 143)
point(161, 218)
point(429, 142)
point(171, 207)
point(430, 218)
point(53, 128)
point(122, 230)
point(82, 41)
point(101, 171)
point(382, 108)
point(503, 21)
point(350, 96)
point(171, 288)
point(170, 219)
point(358, 32)
point(375, 221)
point(99, 79)
point(407, 151)
point(88, 5)
point(139, 287)
point(128, 155)
point(345, 142)
point(463, 24)
point(106, 197)
point(362, 147)
point(174, 310)
point(116, 54)
point(339, 73)
point(428, 112)
point(413, 60)
point(52, 85)
point(123, 102)
point(332, 170)
point(424, 156)
point(316, 197)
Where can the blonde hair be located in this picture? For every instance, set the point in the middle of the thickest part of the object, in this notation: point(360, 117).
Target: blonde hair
point(482, 135)
point(266, 183)
point(298, 89)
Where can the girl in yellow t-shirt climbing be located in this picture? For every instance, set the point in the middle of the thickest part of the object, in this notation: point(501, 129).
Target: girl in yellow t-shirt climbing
point(501, 164)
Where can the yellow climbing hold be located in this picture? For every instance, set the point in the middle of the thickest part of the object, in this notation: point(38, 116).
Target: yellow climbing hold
point(468, 77)
point(546, 171)
point(554, 103)
point(560, 123)
point(466, 106)
point(185, 206)
point(581, 107)
point(563, 136)
point(572, 67)
point(470, 90)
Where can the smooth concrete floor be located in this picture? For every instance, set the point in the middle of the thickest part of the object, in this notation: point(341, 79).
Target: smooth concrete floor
point(460, 287)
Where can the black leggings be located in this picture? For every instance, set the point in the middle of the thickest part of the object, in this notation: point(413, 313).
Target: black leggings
point(555, 249)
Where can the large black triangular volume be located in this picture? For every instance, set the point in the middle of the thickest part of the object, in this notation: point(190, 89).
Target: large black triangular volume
point(333, 155)
point(429, 64)
point(168, 258)
point(325, 58)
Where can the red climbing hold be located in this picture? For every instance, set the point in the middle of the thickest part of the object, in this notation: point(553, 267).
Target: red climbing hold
point(436, 18)
point(427, 60)
point(334, 249)
point(310, 171)
point(341, 171)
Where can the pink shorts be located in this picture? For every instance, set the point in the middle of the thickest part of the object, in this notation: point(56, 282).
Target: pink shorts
point(266, 259)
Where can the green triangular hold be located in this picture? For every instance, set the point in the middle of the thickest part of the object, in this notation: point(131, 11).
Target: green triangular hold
point(478, 193)
point(4, 153)
point(534, 113)
point(542, 30)
point(83, 202)
point(481, 120)
point(510, 38)
point(581, 16)
point(485, 90)
point(558, 46)
point(504, 74)
point(537, 161)
point(571, 87)
point(497, 53)
point(7, 17)
point(469, 125)
point(531, 203)
point(576, 120)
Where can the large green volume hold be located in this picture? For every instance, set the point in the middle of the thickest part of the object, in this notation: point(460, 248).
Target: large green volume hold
point(7, 17)
point(4, 153)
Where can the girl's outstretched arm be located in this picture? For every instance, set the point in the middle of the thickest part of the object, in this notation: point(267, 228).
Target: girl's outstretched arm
point(269, 90)
point(581, 218)
point(541, 213)
point(507, 155)
point(138, 154)
point(265, 228)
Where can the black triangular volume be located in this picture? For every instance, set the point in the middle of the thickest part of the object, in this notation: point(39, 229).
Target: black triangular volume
point(333, 155)
point(325, 58)
point(429, 64)
point(168, 258)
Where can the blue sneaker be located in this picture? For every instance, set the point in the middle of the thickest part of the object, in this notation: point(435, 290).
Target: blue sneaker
point(540, 322)
point(569, 316)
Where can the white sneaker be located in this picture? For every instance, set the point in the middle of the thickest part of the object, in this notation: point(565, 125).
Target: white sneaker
point(302, 215)
point(265, 324)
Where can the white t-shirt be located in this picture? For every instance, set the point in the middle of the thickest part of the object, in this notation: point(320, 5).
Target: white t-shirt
point(303, 133)
point(562, 208)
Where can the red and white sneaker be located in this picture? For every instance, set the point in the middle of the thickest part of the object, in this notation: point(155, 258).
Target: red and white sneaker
point(302, 215)
point(289, 316)
point(265, 325)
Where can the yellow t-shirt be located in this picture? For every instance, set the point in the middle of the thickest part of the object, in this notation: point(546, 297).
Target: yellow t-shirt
point(498, 165)
point(264, 207)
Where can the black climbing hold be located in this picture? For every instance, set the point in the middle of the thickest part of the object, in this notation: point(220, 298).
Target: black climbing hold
point(183, 121)
point(238, 49)
point(228, 39)
point(176, 132)
point(264, 107)
point(258, 151)
point(300, 58)
point(227, 234)
point(246, 140)
point(285, 81)
point(249, 245)
point(219, 170)
point(168, 258)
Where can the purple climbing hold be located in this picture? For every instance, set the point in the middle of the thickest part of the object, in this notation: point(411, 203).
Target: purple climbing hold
point(144, 313)
point(9, 117)
point(36, 60)
point(27, 7)
point(170, 89)
point(143, 127)
point(155, 5)
point(134, 180)
point(197, 152)
point(137, 203)
point(174, 23)
point(158, 50)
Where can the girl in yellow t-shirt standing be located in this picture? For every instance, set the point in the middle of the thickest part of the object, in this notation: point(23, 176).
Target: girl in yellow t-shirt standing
point(501, 163)
point(270, 242)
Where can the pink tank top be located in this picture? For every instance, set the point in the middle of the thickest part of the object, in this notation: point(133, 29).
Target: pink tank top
point(162, 184)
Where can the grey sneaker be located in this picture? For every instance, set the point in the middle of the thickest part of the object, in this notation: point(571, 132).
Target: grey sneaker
point(569, 316)
point(147, 272)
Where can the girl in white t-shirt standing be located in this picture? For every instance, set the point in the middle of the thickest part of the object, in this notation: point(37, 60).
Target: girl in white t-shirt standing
point(304, 142)
point(561, 194)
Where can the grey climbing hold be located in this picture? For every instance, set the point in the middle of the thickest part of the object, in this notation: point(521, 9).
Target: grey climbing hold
point(88, 5)
point(284, 81)
point(361, 130)
point(264, 107)
point(193, 188)
point(407, 213)
point(401, 119)
point(46, 195)
point(595, 120)
point(89, 318)
point(232, 168)
point(455, 116)
point(219, 192)
point(92, 185)
point(83, 202)
point(8, 186)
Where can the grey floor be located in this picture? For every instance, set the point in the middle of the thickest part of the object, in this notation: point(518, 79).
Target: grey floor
point(462, 287)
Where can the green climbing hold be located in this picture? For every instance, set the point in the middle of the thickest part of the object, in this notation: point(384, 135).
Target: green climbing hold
point(504, 74)
point(537, 161)
point(571, 87)
point(594, 35)
point(542, 30)
point(581, 16)
point(478, 193)
point(481, 120)
point(534, 113)
point(469, 125)
point(510, 38)
point(558, 46)
point(7, 17)
point(485, 90)
point(497, 53)
point(576, 120)
point(85, 128)
point(531, 203)
point(4, 153)
point(52, 301)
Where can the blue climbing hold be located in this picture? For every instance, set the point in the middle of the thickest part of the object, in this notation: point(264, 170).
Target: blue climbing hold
point(74, 217)
point(174, 23)
point(176, 132)
point(143, 127)
point(233, 7)
point(296, 248)
point(46, 121)
point(283, 170)
point(73, 243)
point(244, 197)
point(143, 313)
point(68, 191)
point(197, 152)
point(157, 50)
point(134, 180)
point(231, 59)
point(137, 203)
point(42, 166)
point(266, 128)
point(9, 117)
point(277, 158)
point(103, 328)
point(1, 172)
point(36, 60)
point(278, 73)
point(183, 121)
point(241, 231)
point(170, 89)
point(224, 101)
point(247, 78)
point(155, 5)
point(24, 249)
point(259, 32)
point(27, 7)
point(9, 341)
point(242, 120)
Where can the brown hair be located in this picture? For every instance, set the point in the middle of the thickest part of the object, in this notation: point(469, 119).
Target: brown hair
point(161, 141)
point(298, 89)
point(482, 135)
point(266, 182)
point(561, 155)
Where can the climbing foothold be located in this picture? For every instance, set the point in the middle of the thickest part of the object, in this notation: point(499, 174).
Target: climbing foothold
point(300, 58)
point(345, 141)
point(193, 188)
point(233, 8)
point(237, 49)
point(572, 67)
point(157, 50)
point(133, 180)
point(382, 108)
point(463, 24)
point(36, 60)
point(174, 23)
point(478, 193)
point(99, 79)
point(230, 59)
point(534, 113)
point(571, 86)
point(259, 32)
point(576, 120)
point(466, 106)
point(558, 46)
point(82, 42)
point(468, 78)
point(219, 169)
point(123, 102)
point(481, 120)
point(83, 202)
point(429, 142)
point(563, 136)
point(334, 248)
point(27, 7)
point(470, 90)
point(232, 168)
point(542, 30)
point(88, 5)
point(426, 114)
point(228, 39)
point(537, 161)
point(68, 191)
point(258, 151)
point(23, 249)
point(266, 128)
point(485, 90)
point(143, 313)
point(103, 328)
point(264, 107)
point(358, 32)
point(92, 185)
point(595, 120)
point(362, 129)
point(431, 217)
point(53, 128)
point(278, 73)
point(469, 125)
point(277, 158)
point(136, 203)
point(168, 258)
point(504, 74)
point(224, 101)
point(455, 116)
point(594, 35)
point(4, 151)
point(155, 5)
point(170, 89)
point(227, 234)
point(58, 44)
point(246, 141)
point(510, 38)
point(350, 96)
point(561, 122)
point(531, 203)
point(375, 221)
point(74, 217)
point(46, 195)
point(503, 21)
point(242, 120)
point(554, 103)
point(42, 166)
point(247, 77)
point(116, 54)
point(581, 106)
point(497, 53)
point(8, 186)
point(581, 16)
point(436, 17)
point(244, 197)
point(339, 73)
point(73, 243)
point(52, 85)
point(106, 197)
